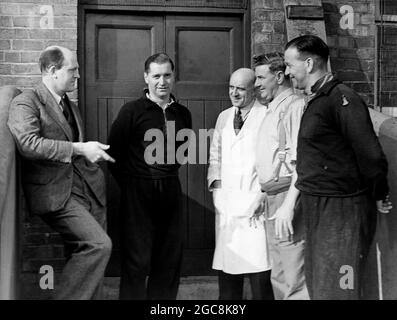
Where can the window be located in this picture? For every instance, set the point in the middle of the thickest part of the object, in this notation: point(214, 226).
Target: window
point(386, 57)
point(236, 4)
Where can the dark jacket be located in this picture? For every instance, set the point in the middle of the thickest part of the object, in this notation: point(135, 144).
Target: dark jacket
point(338, 152)
point(130, 138)
point(44, 139)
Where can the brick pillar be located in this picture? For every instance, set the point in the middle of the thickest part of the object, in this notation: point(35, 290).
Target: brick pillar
point(268, 26)
point(353, 49)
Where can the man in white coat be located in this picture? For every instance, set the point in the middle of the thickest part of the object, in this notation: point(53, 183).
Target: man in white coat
point(241, 247)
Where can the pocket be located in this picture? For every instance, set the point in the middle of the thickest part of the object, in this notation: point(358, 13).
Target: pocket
point(217, 195)
point(42, 199)
point(43, 172)
point(37, 178)
point(239, 202)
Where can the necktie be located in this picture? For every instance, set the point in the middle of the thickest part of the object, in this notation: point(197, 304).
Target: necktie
point(238, 121)
point(65, 109)
point(67, 112)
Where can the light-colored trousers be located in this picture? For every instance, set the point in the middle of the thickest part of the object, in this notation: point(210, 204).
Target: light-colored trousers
point(287, 255)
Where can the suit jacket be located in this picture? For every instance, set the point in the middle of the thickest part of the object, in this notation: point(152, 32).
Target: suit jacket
point(44, 139)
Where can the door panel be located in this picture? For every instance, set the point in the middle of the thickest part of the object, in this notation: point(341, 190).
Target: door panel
point(113, 64)
point(206, 49)
point(115, 51)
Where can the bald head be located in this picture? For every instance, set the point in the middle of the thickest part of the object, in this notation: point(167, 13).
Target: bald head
point(241, 87)
point(244, 75)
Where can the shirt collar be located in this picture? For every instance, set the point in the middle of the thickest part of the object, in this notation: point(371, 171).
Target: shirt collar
point(172, 100)
point(55, 95)
point(245, 112)
point(276, 101)
point(321, 82)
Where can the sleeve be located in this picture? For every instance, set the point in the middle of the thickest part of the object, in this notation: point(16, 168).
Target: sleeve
point(25, 126)
point(215, 157)
point(356, 126)
point(292, 122)
point(118, 142)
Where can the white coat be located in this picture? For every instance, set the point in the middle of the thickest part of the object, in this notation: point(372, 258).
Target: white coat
point(239, 248)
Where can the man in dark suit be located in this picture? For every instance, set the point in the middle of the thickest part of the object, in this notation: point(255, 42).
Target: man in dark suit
point(61, 180)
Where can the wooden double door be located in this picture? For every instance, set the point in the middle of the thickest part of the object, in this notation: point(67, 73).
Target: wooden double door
point(206, 48)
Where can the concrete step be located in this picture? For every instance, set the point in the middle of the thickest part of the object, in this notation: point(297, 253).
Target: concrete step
point(190, 288)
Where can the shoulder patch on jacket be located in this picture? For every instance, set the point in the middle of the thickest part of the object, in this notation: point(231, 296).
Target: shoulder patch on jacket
point(345, 102)
point(345, 96)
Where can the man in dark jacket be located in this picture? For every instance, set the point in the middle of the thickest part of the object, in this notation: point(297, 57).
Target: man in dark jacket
point(151, 215)
point(341, 171)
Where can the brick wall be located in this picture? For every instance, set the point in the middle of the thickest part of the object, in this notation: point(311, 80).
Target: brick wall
point(26, 28)
point(352, 50)
point(268, 32)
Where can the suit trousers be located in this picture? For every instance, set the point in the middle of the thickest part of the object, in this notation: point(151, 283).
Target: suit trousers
point(81, 224)
point(151, 238)
point(231, 286)
point(287, 254)
point(339, 235)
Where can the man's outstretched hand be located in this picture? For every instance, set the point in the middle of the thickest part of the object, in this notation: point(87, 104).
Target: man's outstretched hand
point(94, 151)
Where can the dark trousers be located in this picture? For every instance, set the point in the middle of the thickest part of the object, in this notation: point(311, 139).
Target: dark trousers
point(339, 232)
point(81, 224)
point(231, 286)
point(151, 238)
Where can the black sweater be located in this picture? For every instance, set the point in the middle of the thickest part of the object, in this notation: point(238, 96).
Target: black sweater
point(338, 152)
point(128, 145)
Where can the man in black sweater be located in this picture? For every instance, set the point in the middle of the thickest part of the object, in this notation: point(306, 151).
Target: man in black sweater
point(151, 215)
point(342, 174)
